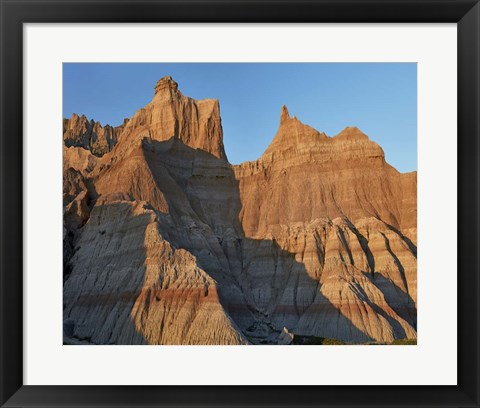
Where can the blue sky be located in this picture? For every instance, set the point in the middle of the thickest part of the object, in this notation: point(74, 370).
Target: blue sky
point(379, 98)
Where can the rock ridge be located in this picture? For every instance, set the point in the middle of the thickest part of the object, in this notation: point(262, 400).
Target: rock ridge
point(78, 131)
point(165, 242)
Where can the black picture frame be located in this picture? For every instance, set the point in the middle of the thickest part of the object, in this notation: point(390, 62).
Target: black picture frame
point(14, 13)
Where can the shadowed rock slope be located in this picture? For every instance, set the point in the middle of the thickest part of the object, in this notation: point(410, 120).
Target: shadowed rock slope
point(165, 242)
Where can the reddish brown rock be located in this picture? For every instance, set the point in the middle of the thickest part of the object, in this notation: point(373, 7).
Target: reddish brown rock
point(304, 175)
point(78, 131)
point(176, 246)
point(170, 115)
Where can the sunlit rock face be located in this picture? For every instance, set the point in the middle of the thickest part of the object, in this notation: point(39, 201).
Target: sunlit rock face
point(165, 242)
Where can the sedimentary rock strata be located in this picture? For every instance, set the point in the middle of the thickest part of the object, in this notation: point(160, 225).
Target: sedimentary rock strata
point(165, 242)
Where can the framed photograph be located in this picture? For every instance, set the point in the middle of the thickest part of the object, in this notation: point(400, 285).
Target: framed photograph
point(237, 203)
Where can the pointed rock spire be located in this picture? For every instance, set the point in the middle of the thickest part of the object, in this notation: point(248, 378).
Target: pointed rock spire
point(284, 115)
point(291, 133)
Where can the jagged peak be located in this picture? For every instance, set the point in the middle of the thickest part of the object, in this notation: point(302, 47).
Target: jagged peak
point(284, 116)
point(286, 119)
point(77, 120)
point(76, 117)
point(196, 123)
point(166, 82)
point(291, 132)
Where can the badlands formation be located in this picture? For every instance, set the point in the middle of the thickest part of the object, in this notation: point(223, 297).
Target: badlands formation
point(165, 242)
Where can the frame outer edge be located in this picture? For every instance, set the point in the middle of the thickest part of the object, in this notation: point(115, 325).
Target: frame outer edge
point(3, 384)
point(11, 214)
point(469, 202)
point(11, 202)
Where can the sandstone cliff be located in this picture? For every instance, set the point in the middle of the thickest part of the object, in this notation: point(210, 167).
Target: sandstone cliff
point(165, 242)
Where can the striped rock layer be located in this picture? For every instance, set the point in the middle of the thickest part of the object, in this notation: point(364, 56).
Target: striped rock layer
point(166, 242)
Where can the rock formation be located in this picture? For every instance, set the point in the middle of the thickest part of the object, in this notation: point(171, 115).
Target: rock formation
point(79, 131)
point(165, 242)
